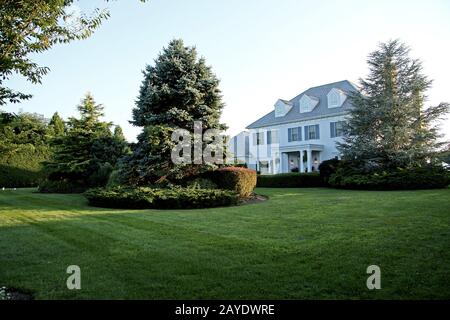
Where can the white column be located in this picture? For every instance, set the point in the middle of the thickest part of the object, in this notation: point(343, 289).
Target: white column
point(274, 165)
point(319, 158)
point(284, 162)
point(301, 166)
point(309, 160)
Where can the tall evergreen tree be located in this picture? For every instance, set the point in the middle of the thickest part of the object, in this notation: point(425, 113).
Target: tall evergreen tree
point(178, 90)
point(118, 134)
point(389, 126)
point(110, 148)
point(81, 155)
point(57, 125)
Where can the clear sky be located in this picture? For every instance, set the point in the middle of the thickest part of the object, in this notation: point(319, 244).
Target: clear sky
point(261, 50)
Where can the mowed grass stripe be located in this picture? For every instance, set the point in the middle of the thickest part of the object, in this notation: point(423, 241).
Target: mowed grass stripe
point(310, 243)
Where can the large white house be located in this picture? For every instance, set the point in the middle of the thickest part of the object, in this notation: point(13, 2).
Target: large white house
point(298, 134)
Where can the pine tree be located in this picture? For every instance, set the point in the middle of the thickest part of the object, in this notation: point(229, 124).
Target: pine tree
point(75, 159)
point(118, 134)
point(388, 126)
point(57, 125)
point(178, 90)
point(90, 113)
point(110, 148)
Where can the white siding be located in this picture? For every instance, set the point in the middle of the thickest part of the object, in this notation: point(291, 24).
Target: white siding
point(272, 152)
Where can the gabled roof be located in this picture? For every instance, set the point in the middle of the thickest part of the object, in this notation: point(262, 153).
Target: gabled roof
point(320, 110)
point(286, 102)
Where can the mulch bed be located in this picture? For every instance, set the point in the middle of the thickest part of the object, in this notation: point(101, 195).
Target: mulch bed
point(255, 198)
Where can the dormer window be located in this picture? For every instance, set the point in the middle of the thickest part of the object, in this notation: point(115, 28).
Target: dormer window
point(282, 107)
point(336, 98)
point(308, 103)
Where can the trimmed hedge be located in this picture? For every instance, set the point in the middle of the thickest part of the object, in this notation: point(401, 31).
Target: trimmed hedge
point(21, 165)
point(290, 180)
point(152, 198)
point(400, 179)
point(238, 179)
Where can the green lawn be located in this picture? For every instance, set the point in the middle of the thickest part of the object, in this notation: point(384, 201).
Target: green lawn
point(302, 243)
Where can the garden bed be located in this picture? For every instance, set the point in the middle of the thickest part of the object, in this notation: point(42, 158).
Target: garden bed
point(154, 198)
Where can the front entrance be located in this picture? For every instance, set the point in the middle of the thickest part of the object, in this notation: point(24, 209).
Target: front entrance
point(315, 161)
point(264, 167)
point(306, 159)
point(294, 161)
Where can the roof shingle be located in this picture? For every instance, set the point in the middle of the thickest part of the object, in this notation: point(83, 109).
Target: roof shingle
point(320, 110)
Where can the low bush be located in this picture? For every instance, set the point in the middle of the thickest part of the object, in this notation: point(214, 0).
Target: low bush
point(290, 180)
point(238, 179)
point(12, 177)
point(61, 186)
point(201, 183)
point(430, 177)
point(152, 198)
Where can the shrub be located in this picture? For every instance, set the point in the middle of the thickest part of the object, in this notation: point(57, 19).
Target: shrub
point(61, 186)
point(21, 165)
point(429, 177)
point(12, 177)
point(290, 180)
point(100, 176)
point(114, 179)
point(327, 168)
point(152, 198)
point(201, 183)
point(237, 179)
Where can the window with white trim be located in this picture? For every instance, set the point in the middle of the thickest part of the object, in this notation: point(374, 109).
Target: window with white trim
point(272, 137)
point(307, 103)
point(336, 129)
point(295, 134)
point(312, 132)
point(260, 138)
point(334, 99)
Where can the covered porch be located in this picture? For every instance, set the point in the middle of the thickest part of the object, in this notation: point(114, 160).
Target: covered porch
point(304, 158)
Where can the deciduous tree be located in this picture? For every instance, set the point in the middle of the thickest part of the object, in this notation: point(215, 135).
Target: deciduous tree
point(30, 27)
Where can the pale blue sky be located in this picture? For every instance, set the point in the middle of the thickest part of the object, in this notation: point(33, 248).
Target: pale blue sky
point(261, 50)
